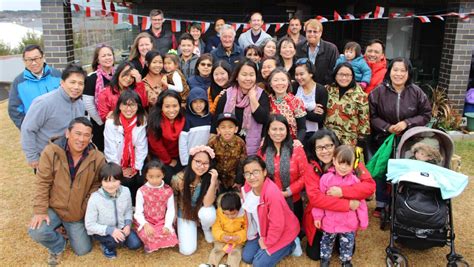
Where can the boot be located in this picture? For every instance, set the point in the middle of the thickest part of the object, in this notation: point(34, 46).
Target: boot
point(324, 263)
point(346, 264)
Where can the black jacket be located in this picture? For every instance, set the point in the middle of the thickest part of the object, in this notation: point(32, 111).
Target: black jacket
point(325, 60)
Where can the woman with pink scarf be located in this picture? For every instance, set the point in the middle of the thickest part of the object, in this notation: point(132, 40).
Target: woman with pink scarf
point(103, 67)
point(248, 102)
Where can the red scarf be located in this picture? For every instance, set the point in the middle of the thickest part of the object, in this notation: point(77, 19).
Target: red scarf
point(128, 154)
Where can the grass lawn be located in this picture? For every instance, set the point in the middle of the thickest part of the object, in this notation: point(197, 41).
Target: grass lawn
point(17, 249)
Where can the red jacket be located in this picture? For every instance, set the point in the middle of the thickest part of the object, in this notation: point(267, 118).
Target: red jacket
point(298, 166)
point(167, 147)
point(318, 199)
point(278, 224)
point(108, 100)
point(378, 73)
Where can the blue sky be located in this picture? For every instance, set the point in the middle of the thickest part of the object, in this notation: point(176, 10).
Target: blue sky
point(20, 5)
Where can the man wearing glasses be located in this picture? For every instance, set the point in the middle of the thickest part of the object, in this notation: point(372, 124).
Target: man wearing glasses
point(37, 79)
point(322, 54)
point(163, 39)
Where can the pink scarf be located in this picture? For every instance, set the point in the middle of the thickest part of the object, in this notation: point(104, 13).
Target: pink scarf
point(238, 99)
point(99, 83)
point(128, 154)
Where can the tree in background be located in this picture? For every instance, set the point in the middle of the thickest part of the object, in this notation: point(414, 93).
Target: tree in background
point(5, 49)
point(29, 39)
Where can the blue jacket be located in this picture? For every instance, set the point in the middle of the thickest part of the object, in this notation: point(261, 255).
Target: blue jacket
point(362, 71)
point(26, 87)
point(197, 129)
point(236, 55)
point(197, 81)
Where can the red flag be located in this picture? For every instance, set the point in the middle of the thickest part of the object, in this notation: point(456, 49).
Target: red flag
point(112, 6)
point(246, 27)
point(265, 27)
point(439, 17)
point(88, 12)
point(104, 9)
point(77, 8)
point(366, 15)
point(205, 27)
point(378, 14)
point(145, 23)
point(133, 19)
point(394, 15)
point(424, 19)
point(321, 19)
point(337, 16)
point(116, 17)
point(175, 25)
point(349, 16)
point(278, 26)
point(409, 14)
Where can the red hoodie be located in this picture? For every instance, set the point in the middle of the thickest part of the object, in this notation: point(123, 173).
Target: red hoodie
point(378, 73)
point(318, 199)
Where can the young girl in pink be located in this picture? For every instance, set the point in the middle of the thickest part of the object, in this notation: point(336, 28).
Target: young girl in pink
point(155, 210)
point(337, 223)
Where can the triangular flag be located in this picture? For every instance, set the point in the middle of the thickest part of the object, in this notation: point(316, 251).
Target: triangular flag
point(118, 17)
point(146, 23)
point(394, 15)
point(424, 19)
point(205, 26)
point(439, 17)
point(349, 16)
point(104, 8)
point(378, 14)
point(265, 27)
point(246, 27)
point(88, 12)
point(112, 6)
point(322, 19)
point(464, 17)
point(77, 8)
point(366, 15)
point(175, 25)
point(337, 16)
point(409, 14)
point(236, 26)
point(278, 26)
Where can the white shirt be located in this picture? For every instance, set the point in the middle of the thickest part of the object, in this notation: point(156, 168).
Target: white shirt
point(309, 102)
point(251, 207)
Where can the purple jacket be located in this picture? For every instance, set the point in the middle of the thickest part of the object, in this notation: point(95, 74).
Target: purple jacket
point(340, 221)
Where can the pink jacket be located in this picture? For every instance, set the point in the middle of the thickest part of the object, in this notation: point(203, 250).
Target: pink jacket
point(340, 221)
point(278, 225)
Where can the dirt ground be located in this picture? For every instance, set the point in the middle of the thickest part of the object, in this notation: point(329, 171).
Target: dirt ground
point(17, 249)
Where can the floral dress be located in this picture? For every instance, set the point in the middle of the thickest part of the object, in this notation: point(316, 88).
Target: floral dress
point(291, 107)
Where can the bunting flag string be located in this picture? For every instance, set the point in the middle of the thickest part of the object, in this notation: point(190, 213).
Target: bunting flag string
point(134, 19)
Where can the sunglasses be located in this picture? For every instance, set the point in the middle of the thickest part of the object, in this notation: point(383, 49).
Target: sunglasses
point(205, 64)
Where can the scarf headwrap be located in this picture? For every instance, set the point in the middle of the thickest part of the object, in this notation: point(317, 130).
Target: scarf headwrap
point(99, 83)
point(128, 154)
point(285, 157)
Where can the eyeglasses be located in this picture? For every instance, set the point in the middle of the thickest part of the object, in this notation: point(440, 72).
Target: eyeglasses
point(343, 75)
point(253, 173)
point(325, 147)
point(130, 105)
point(313, 31)
point(205, 64)
point(31, 60)
point(201, 164)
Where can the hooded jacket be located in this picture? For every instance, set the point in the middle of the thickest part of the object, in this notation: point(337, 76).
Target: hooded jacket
point(197, 81)
point(49, 116)
point(54, 187)
point(197, 128)
point(26, 87)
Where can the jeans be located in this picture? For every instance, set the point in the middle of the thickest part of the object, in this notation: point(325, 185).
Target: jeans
point(253, 254)
point(132, 241)
point(47, 236)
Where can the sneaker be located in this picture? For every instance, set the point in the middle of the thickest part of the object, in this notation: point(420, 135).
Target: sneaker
point(208, 236)
point(297, 252)
point(223, 265)
point(324, 263)
point(54, 259)
point(108, 253)
point(346, 264)
point(206, 265)
point(377, 212)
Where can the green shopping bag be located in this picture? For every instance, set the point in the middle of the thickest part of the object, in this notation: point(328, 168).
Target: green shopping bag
point(377, 165)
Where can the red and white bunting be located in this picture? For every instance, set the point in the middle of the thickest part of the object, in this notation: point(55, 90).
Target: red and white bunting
point(366, 15)
point(378, 13)
point(118, 17)
point(112, 6)
point(349, 16)
point(88, 11)
point(265, 26)
point(439, 17)
point(133, 19)
point(409, 14)
point(146, 23)
point(104, 8)
point(77, 8)
point(337, 17)
point(205, 26)
point(246, 27)
point(464, 17)
point(175, 25)
point(322, 19)
point(236, 26)
point(278, 26)
point(424, 19)
point(394, 15)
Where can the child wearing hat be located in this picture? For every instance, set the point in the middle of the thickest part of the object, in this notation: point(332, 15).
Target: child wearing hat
point(230, 150)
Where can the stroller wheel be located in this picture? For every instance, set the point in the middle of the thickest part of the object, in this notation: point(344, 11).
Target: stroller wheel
point(458, 263)
point(396, 260)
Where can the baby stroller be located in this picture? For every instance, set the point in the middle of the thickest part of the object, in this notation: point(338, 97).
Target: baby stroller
point(419, 216)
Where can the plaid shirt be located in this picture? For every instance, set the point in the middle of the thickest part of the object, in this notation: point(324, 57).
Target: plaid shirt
point(73, 169)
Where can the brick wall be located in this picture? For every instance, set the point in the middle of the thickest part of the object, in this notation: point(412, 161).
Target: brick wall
point(456, 55)
point(373, 29)
point(57, 33)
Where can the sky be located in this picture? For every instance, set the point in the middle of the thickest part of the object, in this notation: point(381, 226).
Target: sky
point(20, 5)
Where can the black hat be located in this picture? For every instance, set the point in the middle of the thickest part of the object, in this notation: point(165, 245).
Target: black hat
point(226, 116)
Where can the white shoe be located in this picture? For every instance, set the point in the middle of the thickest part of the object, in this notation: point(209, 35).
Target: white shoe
point(208, 236)
point(297, 252)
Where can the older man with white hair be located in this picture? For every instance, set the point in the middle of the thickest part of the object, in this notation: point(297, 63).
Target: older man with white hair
point(227, 49)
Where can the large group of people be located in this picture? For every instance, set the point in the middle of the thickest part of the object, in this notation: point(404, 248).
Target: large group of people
point(223, 134)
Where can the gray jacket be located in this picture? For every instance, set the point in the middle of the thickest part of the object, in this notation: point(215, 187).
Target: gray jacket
point(105, 213)
point(48, 116)
point(188, 67)
point(245, 38)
